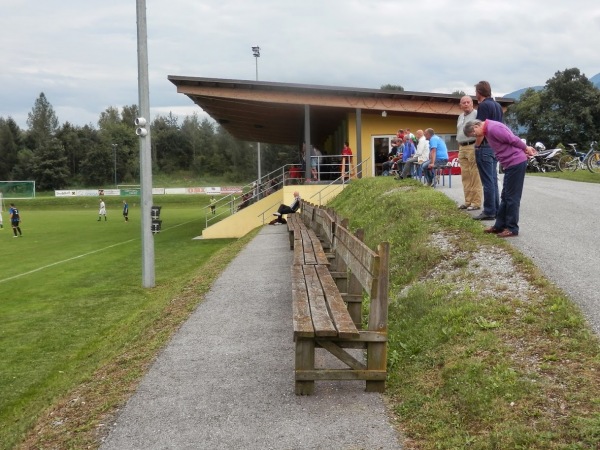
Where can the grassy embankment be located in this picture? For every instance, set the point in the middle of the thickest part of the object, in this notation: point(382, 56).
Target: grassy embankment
point(484, 352)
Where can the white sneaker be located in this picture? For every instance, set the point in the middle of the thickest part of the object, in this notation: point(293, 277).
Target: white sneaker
point(277, 214)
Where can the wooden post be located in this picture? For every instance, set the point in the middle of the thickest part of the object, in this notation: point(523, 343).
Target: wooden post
point(305, 360)
point(378, 317)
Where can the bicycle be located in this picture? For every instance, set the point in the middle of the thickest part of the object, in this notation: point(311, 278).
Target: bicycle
point(575, 160)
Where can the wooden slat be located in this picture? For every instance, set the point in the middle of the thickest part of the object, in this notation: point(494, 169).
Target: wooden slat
point(340, 374)
point(318, 309)
point(320, 257)
point(300, 306)
point(307, 248)
point(359, 258)
point(337, 308)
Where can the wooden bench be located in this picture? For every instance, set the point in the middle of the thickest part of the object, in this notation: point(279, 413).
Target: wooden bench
point(305, 243)
point(321, 318)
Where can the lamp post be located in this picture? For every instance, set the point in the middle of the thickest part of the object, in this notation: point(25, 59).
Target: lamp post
point(114, 146)
point(256, 54)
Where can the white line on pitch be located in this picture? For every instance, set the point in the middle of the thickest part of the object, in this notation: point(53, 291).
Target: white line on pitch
point(83, 255)
point(64, 261)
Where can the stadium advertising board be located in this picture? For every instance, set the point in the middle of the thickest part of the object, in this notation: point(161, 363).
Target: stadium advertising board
point(155, 191)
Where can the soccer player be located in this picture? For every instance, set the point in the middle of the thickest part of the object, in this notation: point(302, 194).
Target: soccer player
point(125, 211)
point(102, 210)
point(15, 220)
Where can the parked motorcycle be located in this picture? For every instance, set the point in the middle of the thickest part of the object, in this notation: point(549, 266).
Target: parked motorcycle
point(545, 160)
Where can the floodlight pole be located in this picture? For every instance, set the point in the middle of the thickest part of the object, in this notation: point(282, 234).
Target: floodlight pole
point(256, 53)
point(145, 149)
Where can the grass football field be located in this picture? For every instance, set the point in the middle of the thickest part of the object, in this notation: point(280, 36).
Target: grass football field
point(72, 295)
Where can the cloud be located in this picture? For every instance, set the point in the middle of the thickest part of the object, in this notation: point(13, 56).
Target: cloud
point(83, 55)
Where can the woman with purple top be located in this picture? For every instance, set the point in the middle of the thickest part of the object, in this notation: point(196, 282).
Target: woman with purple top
point(512, 153)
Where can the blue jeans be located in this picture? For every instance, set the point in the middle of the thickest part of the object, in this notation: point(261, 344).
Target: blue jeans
point(510, 200)
point(429, 173)
point(487, 164)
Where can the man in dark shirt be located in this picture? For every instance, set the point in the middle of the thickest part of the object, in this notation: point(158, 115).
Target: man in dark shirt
point(15, 219)
point(487, 164)
point(285, 209)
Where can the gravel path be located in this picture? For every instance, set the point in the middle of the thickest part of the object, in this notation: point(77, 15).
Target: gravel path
point(226, 379)
point(559, 227)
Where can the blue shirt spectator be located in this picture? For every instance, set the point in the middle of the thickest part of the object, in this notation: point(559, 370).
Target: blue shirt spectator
point(441, 151)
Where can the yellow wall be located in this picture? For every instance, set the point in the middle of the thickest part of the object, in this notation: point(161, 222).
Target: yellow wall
point(261, 213)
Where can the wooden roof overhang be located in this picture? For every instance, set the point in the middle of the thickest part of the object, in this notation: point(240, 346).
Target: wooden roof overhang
point(270, 112)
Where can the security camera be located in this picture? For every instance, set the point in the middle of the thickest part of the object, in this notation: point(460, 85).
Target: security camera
point(141, 132)
point(140, 122)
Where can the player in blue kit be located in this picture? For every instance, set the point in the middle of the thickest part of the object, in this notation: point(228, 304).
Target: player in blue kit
point(15, 219)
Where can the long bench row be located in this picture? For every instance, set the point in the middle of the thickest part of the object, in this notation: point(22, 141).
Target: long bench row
point(333, 272)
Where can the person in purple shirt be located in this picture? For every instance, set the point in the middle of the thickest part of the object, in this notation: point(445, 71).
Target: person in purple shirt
point(512, 153)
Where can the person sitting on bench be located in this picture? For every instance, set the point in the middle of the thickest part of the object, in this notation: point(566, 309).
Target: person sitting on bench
point(285, 209)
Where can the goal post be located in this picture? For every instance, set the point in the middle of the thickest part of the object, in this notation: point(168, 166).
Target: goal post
point(17, 190)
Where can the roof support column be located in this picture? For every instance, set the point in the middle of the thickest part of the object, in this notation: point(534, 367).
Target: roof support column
point(359, 141)
point(307, 165)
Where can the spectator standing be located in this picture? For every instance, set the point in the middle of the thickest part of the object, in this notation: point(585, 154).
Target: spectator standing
point(315, 159)
point(102, 210)
point(466, 157)
point(347, 169)
point(438, 156)
point(15, 219)
point(512, 153)
point(487, 164)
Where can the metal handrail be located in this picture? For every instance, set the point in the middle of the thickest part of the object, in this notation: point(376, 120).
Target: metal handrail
point(274, 180)
point(265, 211)
point(337, 184)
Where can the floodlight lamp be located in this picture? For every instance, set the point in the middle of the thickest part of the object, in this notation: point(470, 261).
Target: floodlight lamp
point(256, 51)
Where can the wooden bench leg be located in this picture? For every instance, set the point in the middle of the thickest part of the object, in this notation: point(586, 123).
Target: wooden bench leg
point(376, 360)
point(305, 360)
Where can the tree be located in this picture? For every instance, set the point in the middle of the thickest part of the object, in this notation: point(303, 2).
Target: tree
point(566, 110)
point(10, 141)
point(42, 122)
point(49, 166)
point(392, 87)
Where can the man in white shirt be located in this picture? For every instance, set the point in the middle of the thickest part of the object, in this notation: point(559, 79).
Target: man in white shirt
point(102, 210)
point(421, 155)
point(466, 157)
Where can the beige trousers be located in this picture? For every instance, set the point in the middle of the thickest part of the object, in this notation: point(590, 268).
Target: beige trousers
point(470, 176)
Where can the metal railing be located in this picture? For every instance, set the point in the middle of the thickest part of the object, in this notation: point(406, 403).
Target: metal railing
point(327, 168)
point(337, 184)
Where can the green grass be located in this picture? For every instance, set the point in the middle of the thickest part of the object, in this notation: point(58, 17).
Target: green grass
point(579, 175)
point(472, 363)
point(72, 296)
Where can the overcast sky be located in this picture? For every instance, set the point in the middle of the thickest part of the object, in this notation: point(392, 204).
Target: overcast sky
point(83, 54)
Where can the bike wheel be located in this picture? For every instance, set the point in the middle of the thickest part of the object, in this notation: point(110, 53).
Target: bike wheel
point(593, 162)
point(567, 162)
